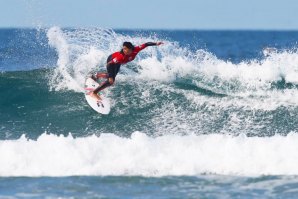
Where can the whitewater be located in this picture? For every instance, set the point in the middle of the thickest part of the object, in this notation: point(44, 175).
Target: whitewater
point(141, 155)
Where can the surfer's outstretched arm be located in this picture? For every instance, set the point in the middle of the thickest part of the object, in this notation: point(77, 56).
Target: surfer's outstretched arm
point(141, 47)
point(153, 43)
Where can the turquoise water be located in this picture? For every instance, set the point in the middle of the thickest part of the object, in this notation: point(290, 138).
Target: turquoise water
point(210, 114)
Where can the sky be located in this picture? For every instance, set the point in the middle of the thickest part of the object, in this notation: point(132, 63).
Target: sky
point(152, 14)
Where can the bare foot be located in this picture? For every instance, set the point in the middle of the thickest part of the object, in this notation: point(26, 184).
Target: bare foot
point(95, 96)
point(93, 77)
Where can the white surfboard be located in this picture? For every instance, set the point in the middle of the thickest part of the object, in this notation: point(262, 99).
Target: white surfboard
point(102, 106)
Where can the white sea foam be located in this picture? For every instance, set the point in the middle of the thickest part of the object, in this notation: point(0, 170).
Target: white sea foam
point(108, 154)
point(248, 82)
point(75, 61)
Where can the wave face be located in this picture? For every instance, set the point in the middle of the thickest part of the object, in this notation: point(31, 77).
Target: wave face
point(202, 103)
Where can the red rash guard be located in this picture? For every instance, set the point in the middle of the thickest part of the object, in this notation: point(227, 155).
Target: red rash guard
point(120, 58)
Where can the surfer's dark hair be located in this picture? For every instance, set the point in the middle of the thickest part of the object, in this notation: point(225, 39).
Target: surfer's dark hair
point(128, 45)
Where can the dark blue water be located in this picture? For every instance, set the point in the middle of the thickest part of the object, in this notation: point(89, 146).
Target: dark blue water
point(209, 114)
point(25, 49)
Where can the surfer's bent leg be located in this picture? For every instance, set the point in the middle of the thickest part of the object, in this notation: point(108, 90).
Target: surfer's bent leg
point(112, 69)
point(103, 75)
point(104, 85)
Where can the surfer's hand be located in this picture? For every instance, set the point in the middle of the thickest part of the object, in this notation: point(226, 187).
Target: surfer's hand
point(159, 43)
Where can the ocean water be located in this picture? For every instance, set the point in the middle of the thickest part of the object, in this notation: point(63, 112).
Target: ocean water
point(209, 114)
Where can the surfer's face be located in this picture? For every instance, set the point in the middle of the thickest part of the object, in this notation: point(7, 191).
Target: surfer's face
point(126, 50)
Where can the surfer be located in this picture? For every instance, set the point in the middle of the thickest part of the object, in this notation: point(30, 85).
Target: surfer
point(114, 61)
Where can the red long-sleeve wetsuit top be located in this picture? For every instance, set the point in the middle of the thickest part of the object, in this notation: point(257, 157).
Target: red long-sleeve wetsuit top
point(116, 59)
point(120, 58)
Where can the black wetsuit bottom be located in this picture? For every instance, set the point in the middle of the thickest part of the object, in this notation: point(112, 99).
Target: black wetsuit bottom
point(113, 70)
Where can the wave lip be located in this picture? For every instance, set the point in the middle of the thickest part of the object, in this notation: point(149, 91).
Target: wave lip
point(140, 155)
point(82, 51)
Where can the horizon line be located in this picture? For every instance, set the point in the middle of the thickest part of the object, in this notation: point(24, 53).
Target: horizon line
point(151, 29)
